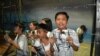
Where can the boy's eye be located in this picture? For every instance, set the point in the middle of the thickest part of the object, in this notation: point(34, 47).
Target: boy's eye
point(58, 18)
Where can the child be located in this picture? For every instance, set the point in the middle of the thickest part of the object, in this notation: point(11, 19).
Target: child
point(46, 48)
point(48, 22)
point(33, 26)
point(67, 39)
point(32, 38)
point(20, 41)
point(50, 35)
point(80, 32)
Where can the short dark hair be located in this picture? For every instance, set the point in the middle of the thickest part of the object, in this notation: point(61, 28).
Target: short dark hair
point(63, 13)
point(34, 23)
point(48, 23)
point(20, 25)
point(84, 28)
point(43, 26)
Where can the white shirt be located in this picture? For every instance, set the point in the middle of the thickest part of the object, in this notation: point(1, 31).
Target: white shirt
point(37, 43)
point(64, 49)
point(46, 47)
point(22, 42)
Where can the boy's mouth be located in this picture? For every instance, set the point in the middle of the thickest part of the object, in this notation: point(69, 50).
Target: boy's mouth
point(61, 25)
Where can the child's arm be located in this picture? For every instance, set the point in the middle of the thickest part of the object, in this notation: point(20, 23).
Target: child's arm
point(12, 42)
point(32, 49)
point(73, 40)
point(70, 41)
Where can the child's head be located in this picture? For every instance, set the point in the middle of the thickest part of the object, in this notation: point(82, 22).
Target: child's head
point(61, 19)
point(18, 28)
point(33, 25)
point(48, 22)
point(42, 30)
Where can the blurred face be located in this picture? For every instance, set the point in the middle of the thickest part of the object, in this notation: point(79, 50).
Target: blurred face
point(61, 21)
point(41, 33)
point(32, 26)
point(42, 21)
point(17, 30)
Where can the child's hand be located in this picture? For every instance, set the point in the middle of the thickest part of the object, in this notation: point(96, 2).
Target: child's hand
point(32, 49)
point(70, 40)
point(7, 37)
point(52, 40)
point(71, 43)
point(30, 35)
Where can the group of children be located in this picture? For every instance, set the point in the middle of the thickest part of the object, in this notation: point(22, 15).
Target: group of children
point(42, 40)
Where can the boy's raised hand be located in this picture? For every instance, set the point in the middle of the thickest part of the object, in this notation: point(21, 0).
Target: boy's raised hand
point(69, 40)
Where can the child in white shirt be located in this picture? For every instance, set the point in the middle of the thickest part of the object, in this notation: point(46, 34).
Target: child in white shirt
point(67, 39)
point(20, 42)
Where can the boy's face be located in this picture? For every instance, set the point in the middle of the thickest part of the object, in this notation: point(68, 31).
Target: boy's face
point(17, 29)
point(61, 21)
point(41, 33)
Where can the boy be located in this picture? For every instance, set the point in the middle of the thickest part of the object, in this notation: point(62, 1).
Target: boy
point(20, 42)
point(46, 48)
point(32, 38)
point(32, 28)
point(67, 39)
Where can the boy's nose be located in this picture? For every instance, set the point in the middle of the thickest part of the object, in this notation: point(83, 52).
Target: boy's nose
point(60, 21)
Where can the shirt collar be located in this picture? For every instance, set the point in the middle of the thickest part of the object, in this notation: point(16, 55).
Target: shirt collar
point(64, 30)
